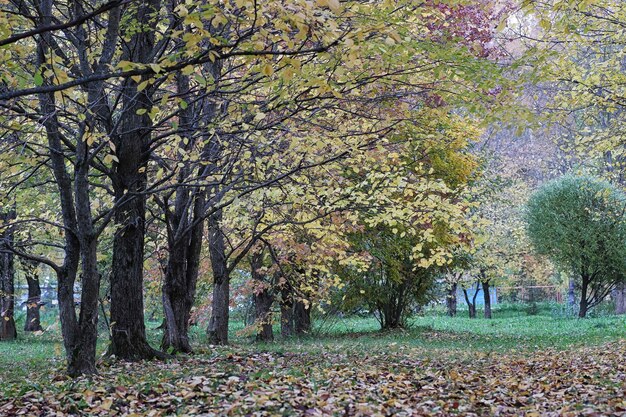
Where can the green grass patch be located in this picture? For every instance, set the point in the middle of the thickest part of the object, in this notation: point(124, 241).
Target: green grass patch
point(511, 330)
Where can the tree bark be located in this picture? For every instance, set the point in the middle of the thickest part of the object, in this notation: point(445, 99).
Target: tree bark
point(487, 296)
point(302, 317)
point(186, 223)
point(33, 303)
point(472, 311)
point(174, 289)
point(263, 300)
point(286, 311)
point(128, 332)
point(217, 331)
point(66, 274)
point(181, 277)
point(8, 330)
point(451, 301)
point(582, 311)
point(90, 276)
point(620, 302)
point(471, 305)
point(132, 144)
point(79, 334)
point(184, 240)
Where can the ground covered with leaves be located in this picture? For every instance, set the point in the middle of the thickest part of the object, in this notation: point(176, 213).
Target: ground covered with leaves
point(515, 364)
point(393, 380)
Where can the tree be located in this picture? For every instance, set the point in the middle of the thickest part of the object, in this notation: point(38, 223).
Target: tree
point(263, 297)
point(578, 223)
point(471, 305)
point(454, 276)
point(132, 141)
point(8, 330)
point(391, 286)
point(33, 302)
point(585, 84)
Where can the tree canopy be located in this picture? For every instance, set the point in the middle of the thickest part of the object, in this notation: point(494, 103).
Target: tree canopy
point(579, 223)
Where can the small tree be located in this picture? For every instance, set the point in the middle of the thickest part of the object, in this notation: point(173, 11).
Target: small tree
point(578, 222)
point(471, 305)
point(392, 286)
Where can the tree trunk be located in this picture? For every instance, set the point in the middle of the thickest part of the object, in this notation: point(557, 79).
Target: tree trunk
point(571, 293)
point(286, 319)
point(263, 309)
point(174, 289)
point(66, 274)
point(451, 300)
point(186, 223)
point(174, 307)
point(132, 144)
point(582, 311)
point(217, 331)
point(263, 300)
point(286, 310)
point(87, 337)
point(79, 335)
point(471, 305)
point(302, 318)
point(487, 296)
point(620, 304)
point(8, 330)
point(181, 278)
point(33, 303)
point(83, 358)
point(128, 331)
point(391, 313)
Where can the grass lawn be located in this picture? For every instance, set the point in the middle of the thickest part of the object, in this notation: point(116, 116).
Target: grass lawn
point(514, 364)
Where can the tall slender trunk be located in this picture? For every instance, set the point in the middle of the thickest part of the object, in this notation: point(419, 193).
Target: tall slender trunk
point(217, 331)
point(186, 223)
point(582, 311)
point(90, 279)
point(451, 300)
point(80, 359)
point(8, 330)
point(178, 221)
point(487, 296)
point(33, 303)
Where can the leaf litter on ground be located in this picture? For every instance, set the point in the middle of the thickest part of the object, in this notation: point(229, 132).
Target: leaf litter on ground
point(396, 380)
